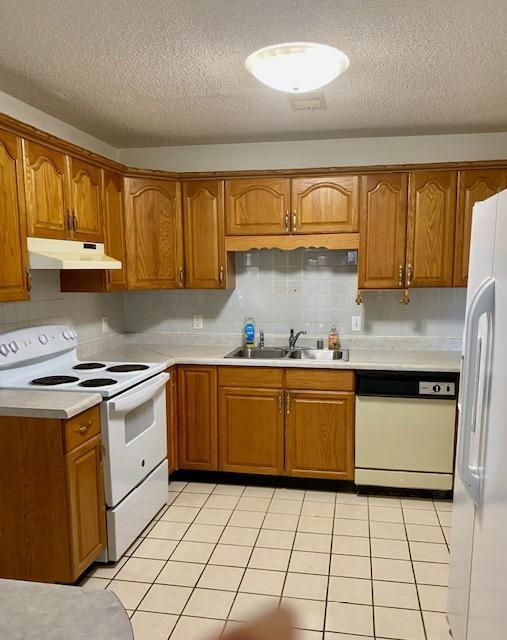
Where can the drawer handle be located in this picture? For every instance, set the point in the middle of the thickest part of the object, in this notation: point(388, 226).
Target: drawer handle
point(287, 402)
point(83, 428)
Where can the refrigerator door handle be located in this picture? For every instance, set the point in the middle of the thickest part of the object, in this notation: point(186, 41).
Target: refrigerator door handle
point(483, 302)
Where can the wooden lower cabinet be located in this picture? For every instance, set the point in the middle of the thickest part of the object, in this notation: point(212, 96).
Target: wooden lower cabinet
point(250, 430)
point(319, 434)
point(197, 419)
point(172, 419)
point(52, 497)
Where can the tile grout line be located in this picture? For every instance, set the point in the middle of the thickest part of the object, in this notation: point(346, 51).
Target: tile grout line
point(371, 570)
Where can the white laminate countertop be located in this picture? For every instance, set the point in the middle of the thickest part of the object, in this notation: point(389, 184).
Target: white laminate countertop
point(60, 405)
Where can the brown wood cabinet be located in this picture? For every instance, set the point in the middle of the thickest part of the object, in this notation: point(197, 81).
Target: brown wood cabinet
point(154, 234)
point(382, 231)
point(47, 202)
point(197, 417)
point(85, 182)
point(324, 205)
point(14, 276)
point(207, 264)
point(52, 497)
point(250, 430)
point(320, 434)
point(257, 206)
point(474, 185)
point(172, 419)
point(430, 229)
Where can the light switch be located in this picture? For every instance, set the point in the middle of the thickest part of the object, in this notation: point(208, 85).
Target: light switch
point(356, 323)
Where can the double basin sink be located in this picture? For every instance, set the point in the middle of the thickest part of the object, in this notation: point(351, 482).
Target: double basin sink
point(280, 353)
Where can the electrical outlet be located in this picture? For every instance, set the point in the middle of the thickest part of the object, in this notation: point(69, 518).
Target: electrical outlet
point(198, 324)
point(105, 324)
point(356, 323)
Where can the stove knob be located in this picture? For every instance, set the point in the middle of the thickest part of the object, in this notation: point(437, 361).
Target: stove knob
point(14, 346)
point(4, 350)
point(74, 334)
point(67, 335)
point(43, 339)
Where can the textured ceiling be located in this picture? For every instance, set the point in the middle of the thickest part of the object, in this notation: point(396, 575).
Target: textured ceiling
point(166, 72)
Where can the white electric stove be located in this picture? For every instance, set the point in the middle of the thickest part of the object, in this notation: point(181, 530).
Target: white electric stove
point(133, 419)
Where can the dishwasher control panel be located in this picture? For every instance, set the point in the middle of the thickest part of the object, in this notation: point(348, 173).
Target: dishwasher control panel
point(437, 388)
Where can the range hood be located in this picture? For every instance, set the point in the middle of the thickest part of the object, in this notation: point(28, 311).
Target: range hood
point(68, 254)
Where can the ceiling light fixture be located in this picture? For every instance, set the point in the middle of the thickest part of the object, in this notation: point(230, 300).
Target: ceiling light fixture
point(297, 67)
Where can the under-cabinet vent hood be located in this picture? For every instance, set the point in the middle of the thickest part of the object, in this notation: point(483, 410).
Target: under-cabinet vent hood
point(68, 254)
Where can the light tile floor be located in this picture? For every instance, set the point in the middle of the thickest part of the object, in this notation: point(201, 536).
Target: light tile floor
point(351, 567)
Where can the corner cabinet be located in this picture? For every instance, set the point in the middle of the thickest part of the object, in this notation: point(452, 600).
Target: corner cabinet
point(14, 275)
point(207, 264)
point(154, 234)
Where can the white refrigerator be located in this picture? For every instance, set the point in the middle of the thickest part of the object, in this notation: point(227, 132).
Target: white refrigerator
point(477, 604)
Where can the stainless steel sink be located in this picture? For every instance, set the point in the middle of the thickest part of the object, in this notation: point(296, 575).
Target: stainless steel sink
point(267, 353)
point(319, 354)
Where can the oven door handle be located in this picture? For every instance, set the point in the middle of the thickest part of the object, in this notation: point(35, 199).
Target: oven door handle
point(133, 400)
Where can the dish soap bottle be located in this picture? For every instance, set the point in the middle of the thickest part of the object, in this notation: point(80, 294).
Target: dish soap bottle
point(249, 332)
point(332, 339)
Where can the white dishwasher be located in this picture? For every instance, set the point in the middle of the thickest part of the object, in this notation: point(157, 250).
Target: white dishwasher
point(405, 429)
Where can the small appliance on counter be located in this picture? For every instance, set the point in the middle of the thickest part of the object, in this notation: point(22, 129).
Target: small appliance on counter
point(132, 414)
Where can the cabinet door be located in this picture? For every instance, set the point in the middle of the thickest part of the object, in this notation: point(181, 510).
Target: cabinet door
point(320, 434)
point(172, 419)
point(13, 254)
point(155, 234)
point(197, 418)
point(46, 192)
point(325, 205)
point(250, 431)
point(474, 185)
point(430, 228)
point(203, 222)
point(86, 200)
point(257, 206)
point(114, 236)
point(382, 231)
point(87, 515)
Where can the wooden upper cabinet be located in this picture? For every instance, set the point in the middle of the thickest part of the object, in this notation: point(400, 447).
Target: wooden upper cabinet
point(204, 232)
point(257, 206)
point(474, 185)
point(382, 231)
point(430, 228)
point(197, 417)
point(320, 434)
point(154, 234)
point(47, 205)
point(251, 430)
point(114, 228)
point(13, 254)
point(325, 205)
point(85, 183)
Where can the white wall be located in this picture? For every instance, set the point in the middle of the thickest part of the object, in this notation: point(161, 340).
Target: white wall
point(308, 289)
point(320, 153)
point(29, 115)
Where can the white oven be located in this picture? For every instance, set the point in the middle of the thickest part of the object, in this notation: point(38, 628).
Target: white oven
point(134, 433)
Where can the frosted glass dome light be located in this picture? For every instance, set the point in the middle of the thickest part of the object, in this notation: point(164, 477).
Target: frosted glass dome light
point(297, 67)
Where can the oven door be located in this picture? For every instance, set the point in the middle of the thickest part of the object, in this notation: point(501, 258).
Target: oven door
point(134, 433)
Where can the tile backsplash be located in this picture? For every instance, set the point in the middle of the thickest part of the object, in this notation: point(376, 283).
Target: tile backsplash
point(83, 311)
point(302, 289)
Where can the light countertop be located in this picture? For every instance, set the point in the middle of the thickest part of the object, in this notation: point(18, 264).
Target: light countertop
point(60, 405)
point(38, 611)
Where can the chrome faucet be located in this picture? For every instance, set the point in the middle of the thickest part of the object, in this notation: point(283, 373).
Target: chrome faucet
point(294, 338)
point(261, 339)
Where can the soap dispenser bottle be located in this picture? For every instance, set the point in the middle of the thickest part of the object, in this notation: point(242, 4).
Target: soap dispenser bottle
point(249, 332)
point(332, 339)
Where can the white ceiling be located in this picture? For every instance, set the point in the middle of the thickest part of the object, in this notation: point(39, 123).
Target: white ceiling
point(171, 72)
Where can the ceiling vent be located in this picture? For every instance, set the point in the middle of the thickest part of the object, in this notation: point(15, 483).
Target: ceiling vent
point(308, 102)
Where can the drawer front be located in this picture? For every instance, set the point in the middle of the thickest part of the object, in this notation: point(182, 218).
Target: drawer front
point(260, 377)
point(81, 428)
point(319, 379)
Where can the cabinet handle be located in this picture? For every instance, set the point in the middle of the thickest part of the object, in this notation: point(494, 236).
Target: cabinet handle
point(83, 428)
point(74, 221)
point(286, 218)
point(294, 220)
point(70, 222)
point(108, 278)
point(400, 280)
point(182, 277)
point(409, 275)
point(221, 275)
point(28, 280)
point(280, 403)
point(287, 402)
